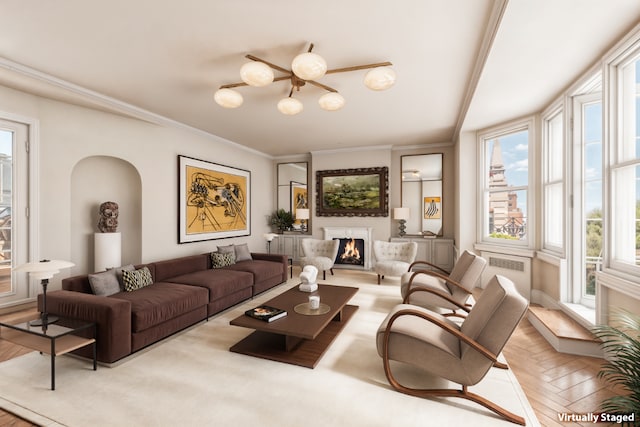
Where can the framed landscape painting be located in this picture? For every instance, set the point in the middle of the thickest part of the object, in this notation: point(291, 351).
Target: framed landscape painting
point(353, 192)
point(214, 201)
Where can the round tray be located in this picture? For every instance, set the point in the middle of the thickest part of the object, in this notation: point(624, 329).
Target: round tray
point(306, 310)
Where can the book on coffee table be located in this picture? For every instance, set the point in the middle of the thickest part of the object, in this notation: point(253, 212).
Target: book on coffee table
point(266, 313)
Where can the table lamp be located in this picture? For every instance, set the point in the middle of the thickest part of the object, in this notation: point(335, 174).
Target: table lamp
point(43, 270)
point(302, 214)
point(402, 215)
point(269, 237)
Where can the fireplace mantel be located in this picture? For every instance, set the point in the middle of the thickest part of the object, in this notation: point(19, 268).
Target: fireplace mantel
point(363, 233)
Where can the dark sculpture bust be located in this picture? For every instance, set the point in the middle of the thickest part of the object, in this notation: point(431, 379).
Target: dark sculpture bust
point(108, 222)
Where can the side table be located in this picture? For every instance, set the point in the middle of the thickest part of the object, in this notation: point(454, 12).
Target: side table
point(54, 338)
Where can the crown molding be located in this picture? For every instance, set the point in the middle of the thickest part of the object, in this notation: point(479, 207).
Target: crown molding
point(493, 24)
point(352, 149)
point(116, 105)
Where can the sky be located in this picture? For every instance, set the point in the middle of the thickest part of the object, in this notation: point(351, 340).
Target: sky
point(5, 142)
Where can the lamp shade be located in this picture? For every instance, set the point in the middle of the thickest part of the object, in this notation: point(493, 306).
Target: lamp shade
point(290, 106)
point(256, 73)
point(228, 98)
point(380, 78)
point(331, 101)
point(401, 213)
point(309, 66)
point(269, 236)
point(302, 213)
point(44, 269)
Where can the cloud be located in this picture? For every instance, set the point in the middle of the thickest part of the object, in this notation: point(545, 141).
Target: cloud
point(519, 166)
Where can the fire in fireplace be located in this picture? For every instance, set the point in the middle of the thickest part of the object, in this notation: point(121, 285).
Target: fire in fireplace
point(351, 252)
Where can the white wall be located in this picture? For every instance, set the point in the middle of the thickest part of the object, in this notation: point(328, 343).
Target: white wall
point(466, 210)
point(69, 134)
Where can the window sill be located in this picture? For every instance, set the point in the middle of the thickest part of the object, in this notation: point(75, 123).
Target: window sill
point(504, 249)
point(582, 314)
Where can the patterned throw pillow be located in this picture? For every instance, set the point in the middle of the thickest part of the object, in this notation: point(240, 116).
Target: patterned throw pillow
point(136, 279)
point(219, 260)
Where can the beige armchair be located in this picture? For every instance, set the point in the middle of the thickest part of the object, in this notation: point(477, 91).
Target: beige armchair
point(393, 258)
point(464, 353)
point(437, 288)
point(319, 253)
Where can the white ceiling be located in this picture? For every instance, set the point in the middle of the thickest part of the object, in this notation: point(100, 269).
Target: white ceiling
point(162, 61)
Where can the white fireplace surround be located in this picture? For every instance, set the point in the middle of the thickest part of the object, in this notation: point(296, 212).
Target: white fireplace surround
point(363, 233)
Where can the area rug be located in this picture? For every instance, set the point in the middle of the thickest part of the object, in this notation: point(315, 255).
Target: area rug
point(192, 379)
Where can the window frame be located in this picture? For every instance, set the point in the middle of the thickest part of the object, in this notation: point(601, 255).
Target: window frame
point(527, 124)
point(548, 116)
point(614, 131)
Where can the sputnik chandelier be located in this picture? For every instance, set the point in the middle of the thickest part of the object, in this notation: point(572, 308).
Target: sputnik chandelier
point(306, 68)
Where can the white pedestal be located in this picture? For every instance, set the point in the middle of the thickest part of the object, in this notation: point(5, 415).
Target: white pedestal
point(107, 251)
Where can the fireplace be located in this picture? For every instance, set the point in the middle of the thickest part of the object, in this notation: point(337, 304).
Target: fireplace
point(362, 241)
point(350, 252)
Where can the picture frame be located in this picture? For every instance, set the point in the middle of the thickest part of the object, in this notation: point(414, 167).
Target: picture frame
point(214, 201)
point(353, 192)
point(432, 207)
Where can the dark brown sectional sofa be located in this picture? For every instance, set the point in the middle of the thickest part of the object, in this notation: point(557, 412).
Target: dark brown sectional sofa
point(185, 291)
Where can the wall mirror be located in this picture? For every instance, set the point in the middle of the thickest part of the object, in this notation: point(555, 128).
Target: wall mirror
point(293, 189)
point(421, 192)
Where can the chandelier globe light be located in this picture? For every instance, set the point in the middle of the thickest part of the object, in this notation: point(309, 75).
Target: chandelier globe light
point(309, 66)
point(380, 78)
point(331, 101)
point(290, 106)
point(256, 74)
point(228, 98)
point(306, 68)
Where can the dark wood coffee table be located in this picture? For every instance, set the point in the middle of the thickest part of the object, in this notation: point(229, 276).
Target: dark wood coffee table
point(298, 339)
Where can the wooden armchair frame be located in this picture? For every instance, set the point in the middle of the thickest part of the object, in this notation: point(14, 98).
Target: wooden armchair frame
point(446, 297)
point(419, 262)
point(463, 393)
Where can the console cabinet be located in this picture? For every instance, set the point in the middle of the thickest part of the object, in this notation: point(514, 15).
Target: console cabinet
point(436, 251)
point(289, 244)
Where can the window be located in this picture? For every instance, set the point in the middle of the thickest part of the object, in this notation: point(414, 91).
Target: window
point(625, 168)
point(14, 224)
point(505, 180)
point(553, 182)
point(588, 195)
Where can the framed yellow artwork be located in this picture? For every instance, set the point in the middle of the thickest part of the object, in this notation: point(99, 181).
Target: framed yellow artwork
point(432, 208)
point(214, 201)
point(299, 198)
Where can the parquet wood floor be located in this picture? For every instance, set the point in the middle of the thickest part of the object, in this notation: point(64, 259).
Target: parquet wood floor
point(553, 382)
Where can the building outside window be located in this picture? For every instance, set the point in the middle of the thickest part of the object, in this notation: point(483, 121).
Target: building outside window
point(506, 186)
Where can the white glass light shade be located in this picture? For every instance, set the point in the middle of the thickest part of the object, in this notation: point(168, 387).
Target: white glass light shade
point(228, 98)
point(256, 73)
point(309, 66)
point(401, 213)
point(44, 269)
point(269, 236)
point(380, 78)
point(331, 101)
point(290, 106)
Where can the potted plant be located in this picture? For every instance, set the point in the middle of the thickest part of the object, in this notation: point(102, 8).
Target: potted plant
point(621, 344)
point(282, 220)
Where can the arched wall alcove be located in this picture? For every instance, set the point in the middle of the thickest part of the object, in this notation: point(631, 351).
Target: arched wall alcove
point(99, 179)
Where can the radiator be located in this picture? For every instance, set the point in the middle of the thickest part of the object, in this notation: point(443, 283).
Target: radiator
point(516, 268)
